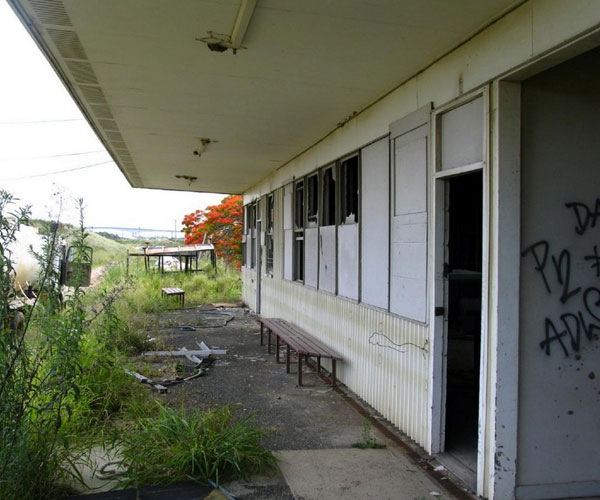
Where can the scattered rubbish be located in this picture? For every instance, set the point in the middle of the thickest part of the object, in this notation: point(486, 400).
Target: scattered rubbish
point(229, 305)
point(439, 468)
point(192, 358)
point(186, 328)
point(145, 380)
point(224, 492)
point(435, 494)
point(204, 353)
point(218, 314)
point(204, 347)
point(162, 385)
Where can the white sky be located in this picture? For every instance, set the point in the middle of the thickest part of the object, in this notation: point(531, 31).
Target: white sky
point(31, 91)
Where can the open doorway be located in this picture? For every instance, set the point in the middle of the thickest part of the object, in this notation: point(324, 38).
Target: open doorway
point(462, 291)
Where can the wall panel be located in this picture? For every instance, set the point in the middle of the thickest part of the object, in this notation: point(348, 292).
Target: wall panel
point(375, 178)
point(348, 255)
point(386, 359)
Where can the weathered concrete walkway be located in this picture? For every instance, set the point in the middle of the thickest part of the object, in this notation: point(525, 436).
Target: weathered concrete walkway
point(312, 428)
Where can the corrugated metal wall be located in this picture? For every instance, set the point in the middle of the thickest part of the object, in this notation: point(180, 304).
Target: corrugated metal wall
point(386, 358)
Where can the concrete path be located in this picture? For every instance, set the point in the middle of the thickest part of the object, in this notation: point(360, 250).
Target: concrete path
point(354, 474)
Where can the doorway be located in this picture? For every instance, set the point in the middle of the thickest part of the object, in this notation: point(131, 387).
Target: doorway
point(463, 238)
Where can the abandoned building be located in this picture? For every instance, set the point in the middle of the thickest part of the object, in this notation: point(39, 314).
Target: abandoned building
point(421, 193)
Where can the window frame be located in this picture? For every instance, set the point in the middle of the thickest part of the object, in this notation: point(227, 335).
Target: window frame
point(269, 230)
point(348, 190)
point(298, 225)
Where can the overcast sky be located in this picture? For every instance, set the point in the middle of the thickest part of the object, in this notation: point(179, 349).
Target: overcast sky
point(30, 92)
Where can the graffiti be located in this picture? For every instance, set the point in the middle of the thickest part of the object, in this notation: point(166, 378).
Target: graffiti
point(555, 268)
point(586, 216)
point(595, 261)
point(381, 340)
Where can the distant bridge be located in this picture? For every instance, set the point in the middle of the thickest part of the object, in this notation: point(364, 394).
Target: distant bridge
point(135, 232)
point(139, 229)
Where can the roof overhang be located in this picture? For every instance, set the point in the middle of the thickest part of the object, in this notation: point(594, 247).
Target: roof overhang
point(145, 79)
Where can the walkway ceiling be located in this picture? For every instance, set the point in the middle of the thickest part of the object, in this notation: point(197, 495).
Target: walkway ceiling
point(143, 74)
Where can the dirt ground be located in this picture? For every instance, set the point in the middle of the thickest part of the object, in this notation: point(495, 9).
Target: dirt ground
point(247, 378)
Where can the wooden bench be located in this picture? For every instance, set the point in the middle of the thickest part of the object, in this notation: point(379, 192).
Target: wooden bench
point(174, 292)
point(298, 340)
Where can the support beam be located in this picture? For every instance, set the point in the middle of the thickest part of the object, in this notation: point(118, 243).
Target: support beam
point(241, 23)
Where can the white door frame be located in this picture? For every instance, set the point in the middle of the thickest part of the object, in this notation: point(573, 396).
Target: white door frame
point(437, 224)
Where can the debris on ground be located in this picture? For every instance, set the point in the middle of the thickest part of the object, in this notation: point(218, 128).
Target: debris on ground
point(227, 305)
point(162, 385)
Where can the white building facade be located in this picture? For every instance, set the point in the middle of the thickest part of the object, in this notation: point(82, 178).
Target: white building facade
point(456, 267)
point(443, 237)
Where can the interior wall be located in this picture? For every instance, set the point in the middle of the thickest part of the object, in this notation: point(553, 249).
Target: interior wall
point(559, 379)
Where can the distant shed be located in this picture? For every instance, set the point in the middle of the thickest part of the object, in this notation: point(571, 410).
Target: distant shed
point(188, 256)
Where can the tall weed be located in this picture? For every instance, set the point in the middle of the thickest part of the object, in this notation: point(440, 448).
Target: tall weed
point(178, 444)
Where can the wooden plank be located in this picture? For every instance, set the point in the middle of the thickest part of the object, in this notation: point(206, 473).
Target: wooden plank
point(180, 353)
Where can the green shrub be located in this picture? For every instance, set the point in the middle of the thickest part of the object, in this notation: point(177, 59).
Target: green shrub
point(177, 445)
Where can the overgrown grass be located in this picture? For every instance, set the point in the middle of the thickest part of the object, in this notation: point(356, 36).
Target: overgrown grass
point(64, 389)
point(178, 444)
point(106, 250)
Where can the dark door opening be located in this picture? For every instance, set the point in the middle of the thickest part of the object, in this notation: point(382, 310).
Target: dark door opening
point(464, 216)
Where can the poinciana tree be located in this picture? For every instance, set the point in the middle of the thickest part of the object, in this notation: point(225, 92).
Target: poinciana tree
point(222, 225)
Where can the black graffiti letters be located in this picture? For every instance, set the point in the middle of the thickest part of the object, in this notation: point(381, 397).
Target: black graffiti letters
point(582, 320)
point(539, 251)
point(563, 274)
point(595, 259)
point(573, 325)
point(591, 300)
point(585, 215)
point(562, 268)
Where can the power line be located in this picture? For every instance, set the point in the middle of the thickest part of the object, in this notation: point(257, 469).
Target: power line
point(27, 122)
point(53, 156)
point(56, 172)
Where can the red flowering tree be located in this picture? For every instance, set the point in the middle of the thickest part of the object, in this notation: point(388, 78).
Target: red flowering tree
point(221, 225)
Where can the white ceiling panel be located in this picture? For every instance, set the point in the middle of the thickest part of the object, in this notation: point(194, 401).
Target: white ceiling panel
point(151, 90)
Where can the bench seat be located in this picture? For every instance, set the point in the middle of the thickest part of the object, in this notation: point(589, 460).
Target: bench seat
point(298, 340)
point(174, 292)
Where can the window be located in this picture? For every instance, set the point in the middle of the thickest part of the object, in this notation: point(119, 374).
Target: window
point(328, 211)
point(349, 191)
point(245, 236)
point(298, 264)
point(269, 235)
point(312, 201)
point(252, 231)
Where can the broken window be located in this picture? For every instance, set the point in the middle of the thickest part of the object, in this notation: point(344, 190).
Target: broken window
point(349, 191)
point(269, 235)
point(245, 236)
point(252, 230)
point(312, 200)
point(298, 264)
point(328, 210)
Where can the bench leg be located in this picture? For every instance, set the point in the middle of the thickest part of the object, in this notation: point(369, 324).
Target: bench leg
point(262, 328)
point(269, 340)
point(277, 348)
point(287, 359)
point(183, 300)
point(299, 370)
point(333, 361)
point(318, 364)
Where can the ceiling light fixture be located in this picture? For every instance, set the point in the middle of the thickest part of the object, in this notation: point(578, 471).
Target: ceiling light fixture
point(219, 42)
point(202, 143)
